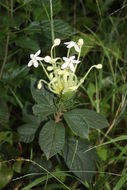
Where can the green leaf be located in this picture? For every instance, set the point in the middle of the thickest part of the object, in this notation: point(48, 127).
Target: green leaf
point(102, 153)
point(121, 182)
point(4, 114)
point(77, 123)
point(28, 116)
point(6, 174)
point(61, 29)
point(81, 163)
point(17, 166)
point(41, 95)
point(44, 98)
point(44, 178)
point(14, 73)
point(51, 138)
point(80, 120)
point(43, 110)
point(41, 9)
point(27, 1)
point(27, 43)
point(27, 132)
point(6, 136)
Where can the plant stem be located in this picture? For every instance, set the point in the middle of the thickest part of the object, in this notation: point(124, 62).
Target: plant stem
point(83, 79)
point(6, 54)
point(68, 52)
point(17, 99)
point(45, 70)
point(52, 26)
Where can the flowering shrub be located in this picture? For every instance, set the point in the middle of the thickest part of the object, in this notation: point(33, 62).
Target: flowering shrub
point(65, 127)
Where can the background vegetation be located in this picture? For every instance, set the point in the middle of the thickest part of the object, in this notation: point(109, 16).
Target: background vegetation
point(25, 27)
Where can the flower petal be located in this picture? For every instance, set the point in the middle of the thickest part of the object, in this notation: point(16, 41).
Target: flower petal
point(72, 67)
point(37, 53)
point(72, 44)
point(35, 63)
point(65, 58)
point(72, 57)
point(31, 56)
point(39, 58)
point(66, 43)
point(64, 65)
point(77, 48)
point(30, 63)
point(75, 61)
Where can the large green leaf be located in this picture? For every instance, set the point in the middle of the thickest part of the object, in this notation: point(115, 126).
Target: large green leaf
point(51, 138)
point(27, 132)
point(45, 105)
point(41, 95)
point(80, 162)
point(62, 29)
point(14, 73)
point(6, 136)
point(4, 113)
point(77, 124)
point(43, 110)
point(27, 43)
point(41, 9)
point(28, 116)
point(80, 120)
point(6, 174)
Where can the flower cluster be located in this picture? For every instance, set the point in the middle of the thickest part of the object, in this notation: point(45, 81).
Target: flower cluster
point(61, 71)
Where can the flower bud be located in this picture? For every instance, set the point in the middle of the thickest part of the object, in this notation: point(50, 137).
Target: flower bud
point(39, 86)
point(53, 80)
point(47, 59)
point(51, 76)
point(57, 42)
point(99, 66)
point(80, 42)
point(49, 68)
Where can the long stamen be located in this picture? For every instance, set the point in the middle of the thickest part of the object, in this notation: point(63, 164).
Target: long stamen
point(52, 51)
point(99, 66)
point(39, 86)
point(45, 70)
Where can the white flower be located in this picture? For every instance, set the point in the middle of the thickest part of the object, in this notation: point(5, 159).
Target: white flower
point(69, 63)
point(34, 59)
point(72, 44)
